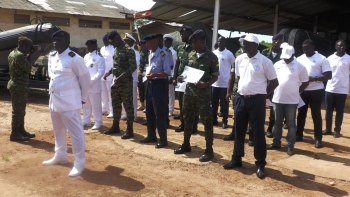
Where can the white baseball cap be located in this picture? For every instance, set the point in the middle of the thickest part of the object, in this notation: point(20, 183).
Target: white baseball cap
point(284, 44)
point(168, 36)
point(250, 38)
point(287, 52)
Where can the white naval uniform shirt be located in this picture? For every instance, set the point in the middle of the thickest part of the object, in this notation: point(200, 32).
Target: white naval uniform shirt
point(96, 66)
point(290, 76)
point(174, 55)
point(70, 81)
point(107, 52)
point(254, 73)
point(226, 61)
point(340, 66)
point(315, 65)
point(135, 75)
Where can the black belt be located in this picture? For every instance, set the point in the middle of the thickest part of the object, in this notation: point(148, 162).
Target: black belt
point(248, 96)
point(157, 80)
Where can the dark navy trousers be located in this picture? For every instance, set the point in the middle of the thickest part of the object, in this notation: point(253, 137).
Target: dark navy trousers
point(157, 98)
point(219, 94)
point(250, 109)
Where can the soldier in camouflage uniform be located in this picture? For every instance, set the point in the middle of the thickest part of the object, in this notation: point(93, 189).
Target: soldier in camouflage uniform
point(20, 68)
point(121, 90)
point(273, 54)
point(197, 96)
point(142, 68)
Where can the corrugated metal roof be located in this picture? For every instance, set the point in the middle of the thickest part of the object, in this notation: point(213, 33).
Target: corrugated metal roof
point(79, 7)
point(254, 16)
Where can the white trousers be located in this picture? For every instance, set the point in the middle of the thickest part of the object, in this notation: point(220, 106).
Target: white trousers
point(71, 121)
point(106, 96)
point(93, 106)
point(134, 97)
point(171, 98)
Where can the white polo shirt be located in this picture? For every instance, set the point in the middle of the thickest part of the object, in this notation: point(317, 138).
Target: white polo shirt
point(289, 76)
point(254, 73)
point(226, 60)
point(315, 65)
point(340, 66)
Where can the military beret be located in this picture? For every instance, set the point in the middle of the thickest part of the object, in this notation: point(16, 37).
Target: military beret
point(143, 42)
point(60, 33)
point(112, 35)
point(128, 36)
point(24, 40)
point(91, 41)
point(160, 35)
point(242, 36)
point(150, 37)
point(198, 34)
point(186, 28)
point(277, 36)
point(105, 37)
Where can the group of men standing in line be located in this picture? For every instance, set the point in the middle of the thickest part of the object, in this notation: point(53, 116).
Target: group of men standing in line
point(108, 80)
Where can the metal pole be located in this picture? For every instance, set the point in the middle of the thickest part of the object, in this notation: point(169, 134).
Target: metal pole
point(275, 22)
point(216, 23)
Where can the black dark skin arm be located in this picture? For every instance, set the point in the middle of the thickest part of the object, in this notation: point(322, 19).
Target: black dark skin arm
point(271, 86)
point(324, 77)
point(231, 82)
point(303, 86)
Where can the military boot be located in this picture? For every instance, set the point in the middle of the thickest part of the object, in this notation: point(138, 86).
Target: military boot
point(16, 136)
point(114, 129)
point(24, 133)
point(208, 153)
point(129, 132)
point(185, 147)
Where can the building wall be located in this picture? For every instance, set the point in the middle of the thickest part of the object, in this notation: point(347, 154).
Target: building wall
point(78, 34)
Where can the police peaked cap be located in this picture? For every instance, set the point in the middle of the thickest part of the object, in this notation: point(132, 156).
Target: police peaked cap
point(186, 28)
point(91, 41)
point(198, 34)
point(151, 37)
point(60, 33)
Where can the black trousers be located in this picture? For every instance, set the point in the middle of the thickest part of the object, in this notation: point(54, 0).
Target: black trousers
point(219, 94)
point(250, 109)
point(314, 99)
point(337, 102)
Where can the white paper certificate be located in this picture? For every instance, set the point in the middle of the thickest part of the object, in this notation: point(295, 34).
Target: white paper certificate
point(180, 87)
point(148, 70)
point(192, 75)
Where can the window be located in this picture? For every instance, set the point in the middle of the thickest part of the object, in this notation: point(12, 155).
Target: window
point(90, 23)
point(57, 21)
point(20, 18)
point(116, 25)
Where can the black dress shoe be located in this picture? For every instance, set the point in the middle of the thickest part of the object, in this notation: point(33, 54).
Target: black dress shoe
point(233, 164)
point(127, 135)
point(250, 143)
point(27, 134)
point(162, 144)
point(207, 156)
point(183, 149)
point(224, 125)
point(18, 138)
point(269, 134)
point(336, 134)
point(318, 144)
point(326, 132)
point(290, 151)
point(177, 117)
point(180, 128)
point(144, 123)
point(230, 137)
point(148, 140)
point(260, 172)
point(273, 146)
point(299, 139)
point(111, 131)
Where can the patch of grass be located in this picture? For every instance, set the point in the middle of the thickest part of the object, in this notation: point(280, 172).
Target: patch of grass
point(6, 158)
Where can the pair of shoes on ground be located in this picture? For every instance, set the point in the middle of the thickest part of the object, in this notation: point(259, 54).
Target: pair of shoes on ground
point(76, 170)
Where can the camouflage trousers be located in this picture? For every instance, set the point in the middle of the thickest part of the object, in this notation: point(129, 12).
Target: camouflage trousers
point(19, 97)
point(142, 89)
point(123, 93)
point(194, 106)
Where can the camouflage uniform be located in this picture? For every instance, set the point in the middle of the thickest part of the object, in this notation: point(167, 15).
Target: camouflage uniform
point(18, 86)
point(268, 53)
point(197, 100)
point(124, 65)
point(182, 56)
point(142, 68)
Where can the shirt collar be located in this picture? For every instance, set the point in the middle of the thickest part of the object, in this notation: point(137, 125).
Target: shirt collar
point(64, 53)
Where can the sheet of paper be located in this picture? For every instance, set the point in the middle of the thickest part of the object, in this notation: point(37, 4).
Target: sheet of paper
point(301, 102)
point(192, 75)
point(148, 69)
point(180, 87)
point(269, 103)
point(144, 79)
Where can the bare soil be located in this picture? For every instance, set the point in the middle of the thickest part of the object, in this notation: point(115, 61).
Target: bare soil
point(116, 167)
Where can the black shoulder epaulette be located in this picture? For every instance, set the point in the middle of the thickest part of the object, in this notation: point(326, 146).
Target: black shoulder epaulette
point(53, 53)
point(72, 54)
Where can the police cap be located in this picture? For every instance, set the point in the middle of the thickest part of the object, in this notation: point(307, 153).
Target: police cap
point(91, 41)
point(60, 33)
point(277, 36)
point(186, 28)
point(151, 37)
point(197, 35)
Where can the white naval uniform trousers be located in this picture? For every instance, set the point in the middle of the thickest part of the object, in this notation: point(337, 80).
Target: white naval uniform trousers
point(96, 66)
point(171, 86)
point(69, 86)
point(106, 100)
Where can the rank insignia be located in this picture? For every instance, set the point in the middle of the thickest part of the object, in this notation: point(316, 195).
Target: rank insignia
point(162, 53)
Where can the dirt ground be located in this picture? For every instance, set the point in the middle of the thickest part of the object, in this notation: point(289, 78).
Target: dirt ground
point(116, 167)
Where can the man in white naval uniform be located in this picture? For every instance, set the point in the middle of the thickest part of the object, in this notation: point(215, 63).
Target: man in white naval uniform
point(168, 42)
point(129, 40)
point(69, 86)
point(96, 66)
point(107, 52)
